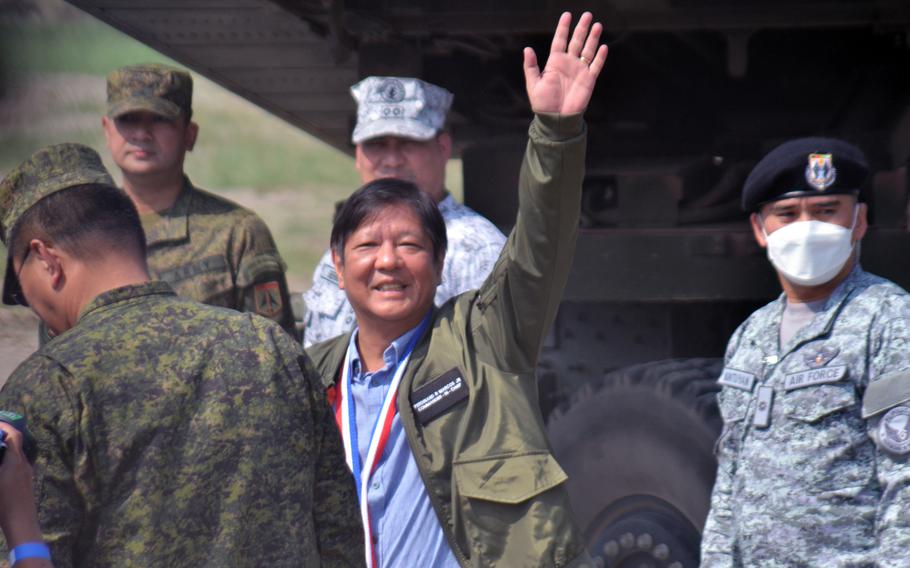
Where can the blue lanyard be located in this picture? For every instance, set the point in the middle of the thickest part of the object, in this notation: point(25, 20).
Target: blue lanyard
point(356, 464)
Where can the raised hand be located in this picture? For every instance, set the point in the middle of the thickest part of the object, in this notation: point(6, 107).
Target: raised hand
point(567, 81)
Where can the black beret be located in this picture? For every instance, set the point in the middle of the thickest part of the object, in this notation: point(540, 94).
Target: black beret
point(806, 166)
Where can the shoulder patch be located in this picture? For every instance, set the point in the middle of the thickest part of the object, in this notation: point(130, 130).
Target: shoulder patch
point(268, 299)
point(894, 430)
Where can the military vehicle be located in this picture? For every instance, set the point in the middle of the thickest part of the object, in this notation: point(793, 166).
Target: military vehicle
point(694, 92)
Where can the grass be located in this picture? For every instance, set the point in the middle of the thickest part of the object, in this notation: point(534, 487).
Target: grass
point(291, 179)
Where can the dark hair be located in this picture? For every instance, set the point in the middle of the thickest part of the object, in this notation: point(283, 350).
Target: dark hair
point(373, 197)
point(80, 219)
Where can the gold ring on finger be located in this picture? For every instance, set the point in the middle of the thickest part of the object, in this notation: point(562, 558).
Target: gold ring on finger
point(584, 60)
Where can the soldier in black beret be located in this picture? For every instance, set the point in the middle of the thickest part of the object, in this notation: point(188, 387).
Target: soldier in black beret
point(816, 418)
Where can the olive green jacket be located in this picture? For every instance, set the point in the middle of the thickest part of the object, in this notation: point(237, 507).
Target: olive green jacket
point(486, 462)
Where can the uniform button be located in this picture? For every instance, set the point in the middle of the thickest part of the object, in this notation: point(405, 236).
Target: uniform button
point(376, 485)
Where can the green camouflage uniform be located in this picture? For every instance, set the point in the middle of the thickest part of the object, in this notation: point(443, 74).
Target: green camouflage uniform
point(216, 252)
point(171, 433)
point(208, 248)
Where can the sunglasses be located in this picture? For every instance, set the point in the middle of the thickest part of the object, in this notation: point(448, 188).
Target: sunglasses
point(16, 294)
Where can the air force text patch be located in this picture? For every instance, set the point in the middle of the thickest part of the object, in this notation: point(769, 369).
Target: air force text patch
point(812, 377)
point(894, 430)
point(737, 379)
point(439, 395)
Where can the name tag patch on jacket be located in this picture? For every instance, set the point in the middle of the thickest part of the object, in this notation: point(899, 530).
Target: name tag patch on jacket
point(737, 379)
point(812, 377)
point(439, 395)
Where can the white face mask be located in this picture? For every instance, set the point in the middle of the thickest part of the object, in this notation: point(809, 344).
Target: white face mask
point(810, 253)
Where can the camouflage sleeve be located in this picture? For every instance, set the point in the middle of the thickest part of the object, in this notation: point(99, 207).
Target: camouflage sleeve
point(718, 538)
point(890, 368)
point(474, 247)
point(262, 287)
point(42, 391)
point(337, 518)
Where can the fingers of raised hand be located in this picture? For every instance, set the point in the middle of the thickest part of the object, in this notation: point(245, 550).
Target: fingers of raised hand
point(599, 59)
point(578, 36)
point(532, 72)
point(561, 37)
point(589, 51)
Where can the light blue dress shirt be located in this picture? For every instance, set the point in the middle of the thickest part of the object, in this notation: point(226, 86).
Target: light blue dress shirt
point(406, 530)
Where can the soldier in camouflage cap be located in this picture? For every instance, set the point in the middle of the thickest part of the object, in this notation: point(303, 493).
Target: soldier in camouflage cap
point(49, 170)
point(170, 433)
point(208, 248)
point(158, 89)
point(813, 459)
point(400, 133)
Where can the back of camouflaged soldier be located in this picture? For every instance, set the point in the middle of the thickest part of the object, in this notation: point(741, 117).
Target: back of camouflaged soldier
point(171, 433)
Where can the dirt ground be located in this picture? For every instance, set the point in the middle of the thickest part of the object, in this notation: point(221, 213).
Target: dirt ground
point(18, 338)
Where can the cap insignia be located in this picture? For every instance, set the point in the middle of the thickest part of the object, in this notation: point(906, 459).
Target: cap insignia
point(820, 172)
point(391, 90)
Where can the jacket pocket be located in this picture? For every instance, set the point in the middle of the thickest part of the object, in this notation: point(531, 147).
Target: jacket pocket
point(826, 440)
point(812, 404)
point(733, 404)
point(508, 479)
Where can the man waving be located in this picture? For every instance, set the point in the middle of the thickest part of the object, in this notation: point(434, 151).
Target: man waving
point(438, 407)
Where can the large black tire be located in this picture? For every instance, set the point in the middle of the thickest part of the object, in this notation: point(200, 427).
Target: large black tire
point(638, 448)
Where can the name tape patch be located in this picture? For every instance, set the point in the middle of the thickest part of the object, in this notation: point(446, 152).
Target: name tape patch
point(812, 377)
point(737, 379)
point(439, 395)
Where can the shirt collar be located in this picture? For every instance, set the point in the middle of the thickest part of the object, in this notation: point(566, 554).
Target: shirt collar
point(171, 224)
point(125, 293)
point(448, 203)
point(391, 355)
point(824, 319)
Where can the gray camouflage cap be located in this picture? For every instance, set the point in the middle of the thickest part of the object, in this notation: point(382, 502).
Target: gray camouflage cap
point(399, 106)
point(47, 171)
point(151, 87)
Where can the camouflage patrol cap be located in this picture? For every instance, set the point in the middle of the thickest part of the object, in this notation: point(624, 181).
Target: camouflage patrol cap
point(47, 171)
point(399, 106)
point(151, 87)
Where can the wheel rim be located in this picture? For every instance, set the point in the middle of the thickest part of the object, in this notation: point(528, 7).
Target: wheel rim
point(643, 531)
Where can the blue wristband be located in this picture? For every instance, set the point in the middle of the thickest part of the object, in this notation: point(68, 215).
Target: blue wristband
point(29, 550)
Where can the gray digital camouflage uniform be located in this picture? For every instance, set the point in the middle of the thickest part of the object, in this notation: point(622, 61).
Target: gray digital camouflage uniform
point(176, 434)
point(826, 482)
point(216, 252)
point(474, 247)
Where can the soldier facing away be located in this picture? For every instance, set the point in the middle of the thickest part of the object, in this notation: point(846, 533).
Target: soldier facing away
point(170, 433)
point(400, 133)
point(813, 464)
point(208, 248)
